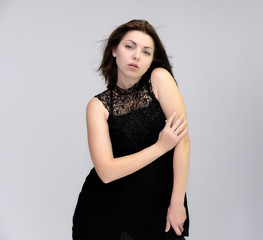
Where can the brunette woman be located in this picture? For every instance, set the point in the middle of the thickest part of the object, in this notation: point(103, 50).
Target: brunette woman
point(139, 145)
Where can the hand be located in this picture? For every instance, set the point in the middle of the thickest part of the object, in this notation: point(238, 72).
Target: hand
point(172, 132)
point(176, 216)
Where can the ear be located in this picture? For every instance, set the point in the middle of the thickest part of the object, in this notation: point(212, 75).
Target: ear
point(114, 54)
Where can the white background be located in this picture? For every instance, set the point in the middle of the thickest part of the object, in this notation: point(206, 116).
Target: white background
point(49, 52)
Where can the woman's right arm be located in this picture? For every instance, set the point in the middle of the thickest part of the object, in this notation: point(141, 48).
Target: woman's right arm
point(109, 168)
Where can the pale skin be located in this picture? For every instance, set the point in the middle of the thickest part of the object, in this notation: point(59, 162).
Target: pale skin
point(134, 55)
point(170, 99)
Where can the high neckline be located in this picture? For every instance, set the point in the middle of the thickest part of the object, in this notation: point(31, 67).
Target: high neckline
point(124, 91)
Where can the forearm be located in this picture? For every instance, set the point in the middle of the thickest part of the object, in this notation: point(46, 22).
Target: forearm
point(122, 166)
point(181, 170)
point(110, 168)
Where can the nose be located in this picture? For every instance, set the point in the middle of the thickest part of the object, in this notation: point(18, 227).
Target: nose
point(136, 55)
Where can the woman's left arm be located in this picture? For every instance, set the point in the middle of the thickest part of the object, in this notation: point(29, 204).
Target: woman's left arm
point(170, 99)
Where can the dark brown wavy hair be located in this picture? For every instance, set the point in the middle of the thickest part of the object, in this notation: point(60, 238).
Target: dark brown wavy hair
point(108, 66)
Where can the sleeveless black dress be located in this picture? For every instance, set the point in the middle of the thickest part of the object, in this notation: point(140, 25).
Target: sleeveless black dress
point(133, 207)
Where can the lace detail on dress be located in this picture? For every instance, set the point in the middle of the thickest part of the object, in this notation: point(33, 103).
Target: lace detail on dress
point(132, 111)
point(130, 90)
point(136, 124)
point(105, 98)
point(124, 104)
point(119, 101)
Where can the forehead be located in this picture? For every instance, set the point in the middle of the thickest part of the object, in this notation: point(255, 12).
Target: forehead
point(140, 38)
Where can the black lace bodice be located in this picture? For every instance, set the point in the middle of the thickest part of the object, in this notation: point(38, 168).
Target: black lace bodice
point(135, 114)
point(119, 101)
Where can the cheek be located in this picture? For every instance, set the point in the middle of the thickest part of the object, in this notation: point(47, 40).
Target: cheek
point(118, 60)
point(120, 57)
point(148, 63)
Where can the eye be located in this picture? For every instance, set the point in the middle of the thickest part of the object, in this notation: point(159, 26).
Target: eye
point(147, 53)
point(128, 46)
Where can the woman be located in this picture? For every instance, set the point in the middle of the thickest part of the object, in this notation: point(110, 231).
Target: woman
point(136, 189)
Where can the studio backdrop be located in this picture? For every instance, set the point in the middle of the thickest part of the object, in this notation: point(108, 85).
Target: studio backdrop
point(49, 54)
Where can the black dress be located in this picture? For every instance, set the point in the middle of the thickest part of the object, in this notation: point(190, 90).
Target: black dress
point(133, 207)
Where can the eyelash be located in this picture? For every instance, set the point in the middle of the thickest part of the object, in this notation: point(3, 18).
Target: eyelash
point(147, 53)
point(130, 47)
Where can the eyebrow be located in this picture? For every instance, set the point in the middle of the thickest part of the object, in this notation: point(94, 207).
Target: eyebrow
point(136, 44)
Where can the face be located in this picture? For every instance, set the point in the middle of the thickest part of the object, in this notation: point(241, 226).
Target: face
point(134, 55)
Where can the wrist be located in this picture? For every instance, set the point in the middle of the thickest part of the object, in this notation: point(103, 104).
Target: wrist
point(176, 200)
point(176, 203)
point(159, 149)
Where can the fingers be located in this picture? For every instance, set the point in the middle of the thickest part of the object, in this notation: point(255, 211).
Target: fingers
point(180, 136)
point(178, 231)
point(181, 228)
point(170, 119)
point(172, 133)
point(181, 130)
point(177, 126)
point(175, 218)
point(168, 225)
point(178, 228)
point(177, 123)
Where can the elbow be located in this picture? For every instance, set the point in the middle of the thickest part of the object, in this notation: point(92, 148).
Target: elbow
point(105, 180)
point(104, 175)
point(106, 170)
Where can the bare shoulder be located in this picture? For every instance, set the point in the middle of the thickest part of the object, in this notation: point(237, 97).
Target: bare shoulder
point(161, 80)
point(160, 72)
point(96, 108)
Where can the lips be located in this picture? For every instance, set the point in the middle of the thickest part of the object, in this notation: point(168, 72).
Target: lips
point(133, 66)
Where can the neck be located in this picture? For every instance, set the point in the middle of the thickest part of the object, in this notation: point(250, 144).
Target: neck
point(127, 82)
